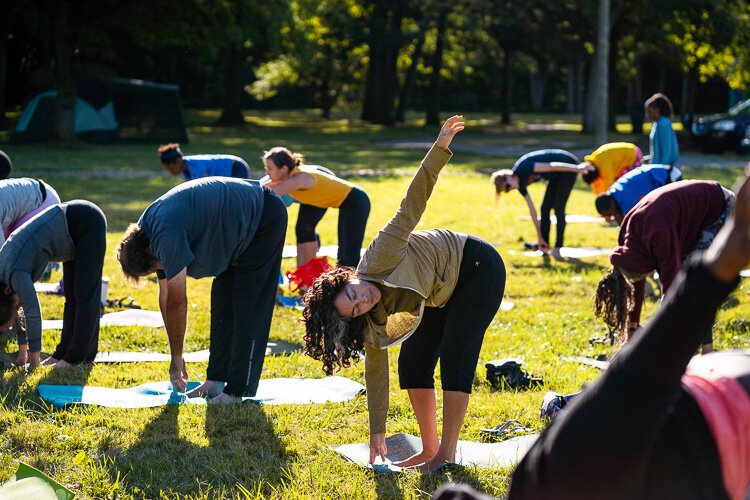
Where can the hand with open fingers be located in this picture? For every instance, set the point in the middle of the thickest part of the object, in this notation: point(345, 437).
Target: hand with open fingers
point(178, 374)
point(730, 251)
point(451, 127)
point(543, 246)
point(377, 447)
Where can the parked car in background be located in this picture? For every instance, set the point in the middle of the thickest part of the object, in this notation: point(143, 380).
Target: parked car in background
point(724, 131)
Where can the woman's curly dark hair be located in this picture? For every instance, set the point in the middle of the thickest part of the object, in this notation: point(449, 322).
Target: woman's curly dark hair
point(135, 255)
point(9, 309)
point(590, 176)
point(329, 337)
point(615, 298)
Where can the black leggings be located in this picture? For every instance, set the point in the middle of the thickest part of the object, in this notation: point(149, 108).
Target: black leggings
point(556, 197)
point(353, 214)
point(635, 433)
point(242, 300)
point(454, 333)
point(82, 278)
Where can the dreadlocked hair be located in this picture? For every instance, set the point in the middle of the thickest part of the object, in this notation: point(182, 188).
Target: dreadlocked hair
point(615, 298)
point(330, 337)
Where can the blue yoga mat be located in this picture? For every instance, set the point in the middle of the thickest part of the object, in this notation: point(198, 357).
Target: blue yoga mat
point(270, 391)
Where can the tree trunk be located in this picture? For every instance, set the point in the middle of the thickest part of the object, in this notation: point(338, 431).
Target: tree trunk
point(4, 28)
point(537, 83)
point(508, 87)
point(411, 76)
point(231, 112)
point(433, 102)
point(601, 80)
point(384, 46)
point(66, 92)
point(570, 101)
point(685, 94)
point(580, 86)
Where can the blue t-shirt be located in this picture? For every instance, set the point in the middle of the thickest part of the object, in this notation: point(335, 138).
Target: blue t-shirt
point(664, 148)
point(631, 187)
point(199, 166)
point(524, 167)
point(204, 225)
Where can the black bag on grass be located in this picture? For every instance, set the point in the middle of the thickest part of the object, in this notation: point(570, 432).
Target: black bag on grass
point(507, 374)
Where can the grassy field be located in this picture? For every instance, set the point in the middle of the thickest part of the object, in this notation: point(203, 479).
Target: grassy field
point(253, 451)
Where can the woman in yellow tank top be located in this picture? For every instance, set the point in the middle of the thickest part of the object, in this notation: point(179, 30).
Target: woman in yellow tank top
point(317, 189)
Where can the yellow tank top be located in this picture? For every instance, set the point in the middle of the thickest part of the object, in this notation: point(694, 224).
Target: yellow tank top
point(328, 191)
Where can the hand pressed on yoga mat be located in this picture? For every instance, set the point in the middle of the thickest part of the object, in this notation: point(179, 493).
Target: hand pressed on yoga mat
point(178, 374)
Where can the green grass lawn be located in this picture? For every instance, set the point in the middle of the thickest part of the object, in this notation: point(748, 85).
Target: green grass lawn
point(252, 451)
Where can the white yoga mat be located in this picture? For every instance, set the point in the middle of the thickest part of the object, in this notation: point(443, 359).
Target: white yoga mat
point(270, 391)
point(45, 287)
point(572, 218)
point(128, 317)
point(506, 305)
point(402, 446)
point(324, 251)
point(273, 348)
point(745, 273)
point(573, 252)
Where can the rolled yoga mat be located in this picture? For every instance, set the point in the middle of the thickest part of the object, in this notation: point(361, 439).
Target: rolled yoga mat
point(402, 446)
point(272, 391)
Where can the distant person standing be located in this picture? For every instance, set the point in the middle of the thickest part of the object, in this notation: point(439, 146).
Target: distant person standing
point(197, 166)
point(662, 139)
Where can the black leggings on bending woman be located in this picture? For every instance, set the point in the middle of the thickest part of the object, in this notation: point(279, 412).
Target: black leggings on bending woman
point(635, 433)
point(353, 214)
point(559, 187)
point(82, 278)
point(454, 332)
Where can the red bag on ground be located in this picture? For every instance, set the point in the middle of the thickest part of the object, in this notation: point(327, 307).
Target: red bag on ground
point(305, 275)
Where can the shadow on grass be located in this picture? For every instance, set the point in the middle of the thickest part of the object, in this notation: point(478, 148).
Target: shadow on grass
point(242, 452)
point(451, 474)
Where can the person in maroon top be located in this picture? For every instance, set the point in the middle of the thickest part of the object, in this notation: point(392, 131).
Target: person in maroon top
point(658, 234)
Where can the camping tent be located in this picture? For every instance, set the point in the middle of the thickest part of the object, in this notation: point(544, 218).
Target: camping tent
point(109, 110)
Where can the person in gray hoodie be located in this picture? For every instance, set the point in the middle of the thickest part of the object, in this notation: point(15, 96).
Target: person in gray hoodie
point(20, 200)
point(74, 233)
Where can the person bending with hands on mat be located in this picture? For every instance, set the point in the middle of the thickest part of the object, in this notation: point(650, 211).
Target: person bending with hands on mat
point(560, 169)
point(433, 291)
point(231, 229)
point(74, 233)
point(659, 422)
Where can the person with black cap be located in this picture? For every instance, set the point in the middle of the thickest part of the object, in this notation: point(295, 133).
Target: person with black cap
point(197, 166)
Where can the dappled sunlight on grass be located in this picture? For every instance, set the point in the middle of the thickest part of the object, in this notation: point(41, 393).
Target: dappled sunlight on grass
point(281, 452)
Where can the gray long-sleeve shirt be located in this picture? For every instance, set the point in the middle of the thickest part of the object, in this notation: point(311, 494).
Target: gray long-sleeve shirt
point(23, 259)
point(17, 198)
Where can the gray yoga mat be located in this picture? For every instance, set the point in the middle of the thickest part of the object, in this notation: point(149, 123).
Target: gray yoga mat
point(128, 317)
point(573, 218)
point(42, 287)
point(402, 446)
point(272, 391)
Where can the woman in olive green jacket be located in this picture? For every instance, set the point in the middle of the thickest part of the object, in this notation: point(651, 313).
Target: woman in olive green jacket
point(435, 292)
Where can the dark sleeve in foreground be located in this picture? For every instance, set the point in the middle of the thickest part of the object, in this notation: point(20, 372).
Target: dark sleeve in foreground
point(600, 447)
